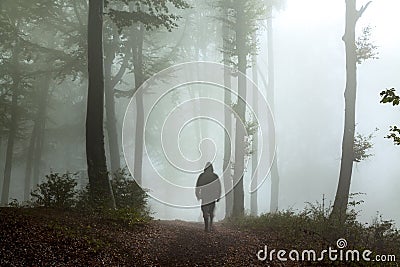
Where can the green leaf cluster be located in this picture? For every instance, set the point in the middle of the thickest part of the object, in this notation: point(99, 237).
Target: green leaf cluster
point(152, 13)
point(365, 49)
point(390, 96)
point(58, 191)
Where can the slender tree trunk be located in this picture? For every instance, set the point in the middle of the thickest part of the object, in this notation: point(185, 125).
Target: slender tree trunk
point(271, 101)
point(111, 121)
point(10, 143)
point(238, 204)
point(100, 189)
point(13, 127)
point(254, 157)
point(346, 167)
point(228, 125)
point(139, 79)
point(29, 161)
point(37, 156)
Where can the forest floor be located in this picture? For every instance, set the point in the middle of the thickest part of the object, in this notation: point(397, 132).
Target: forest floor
point(46, 237)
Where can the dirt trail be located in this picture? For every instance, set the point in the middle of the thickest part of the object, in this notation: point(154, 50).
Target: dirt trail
point(51, 238)
point(186, 244)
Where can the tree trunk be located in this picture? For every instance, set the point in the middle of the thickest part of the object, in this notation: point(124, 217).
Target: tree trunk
point(111, 120)
point(5, 194)
point(346, 167)
point(238, 195)
point(29, 161)
point(10, 143)
point(271, 101)
point(228, 125)
point(139, 79)
point(37, 156)
point(100, 189)
point(254, 156)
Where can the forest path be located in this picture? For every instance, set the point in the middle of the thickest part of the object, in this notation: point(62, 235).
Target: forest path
point(43, 237)
point(180, 243)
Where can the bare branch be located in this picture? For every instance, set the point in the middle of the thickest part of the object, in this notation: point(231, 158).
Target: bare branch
point(362, 10)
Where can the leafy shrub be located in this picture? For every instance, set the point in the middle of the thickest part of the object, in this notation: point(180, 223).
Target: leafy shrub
point(127, 193)
point(130, 200)
point(58, 191)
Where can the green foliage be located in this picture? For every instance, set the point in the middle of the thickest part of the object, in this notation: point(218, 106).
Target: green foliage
point(384, 234)
point(58, 191)
point(250, 122)
point(365, 49)
point(390, 96)
point(153, 14)
point(362, 144)
point(127, 193)
point(251, 126)
point(313, 228)
point(38, 40)
point(128, 216)
point(130, 200)
point(395, 135)
point(253, 12)
point(15, 203)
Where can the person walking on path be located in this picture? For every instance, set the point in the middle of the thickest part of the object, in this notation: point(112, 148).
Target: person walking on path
point(208, 190)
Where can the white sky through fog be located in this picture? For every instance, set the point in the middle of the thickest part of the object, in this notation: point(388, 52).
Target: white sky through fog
point(383, 14)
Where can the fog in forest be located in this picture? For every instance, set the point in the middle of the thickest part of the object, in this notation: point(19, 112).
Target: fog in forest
point(310, 79)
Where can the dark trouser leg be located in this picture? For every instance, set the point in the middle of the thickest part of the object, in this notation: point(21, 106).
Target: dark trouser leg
point(206, 228)
point(204, 209)
point(211, 212)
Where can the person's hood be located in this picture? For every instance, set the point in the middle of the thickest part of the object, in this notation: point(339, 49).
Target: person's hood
point(208, 167)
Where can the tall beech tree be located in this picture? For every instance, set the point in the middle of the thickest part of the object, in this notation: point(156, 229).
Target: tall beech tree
point(274, 203)
point(36, 142)
point(242, 52)
point(227, 178)
point(113, 47)
point(346, 167)
point(100, 188)
point(139, 79)
point(254, 143)
point(16, 80)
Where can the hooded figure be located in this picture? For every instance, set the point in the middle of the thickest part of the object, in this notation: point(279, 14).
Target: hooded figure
point(208, 189)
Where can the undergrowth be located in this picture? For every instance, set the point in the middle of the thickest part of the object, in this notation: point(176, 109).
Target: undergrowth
point(314, 228)
point(59, 191)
